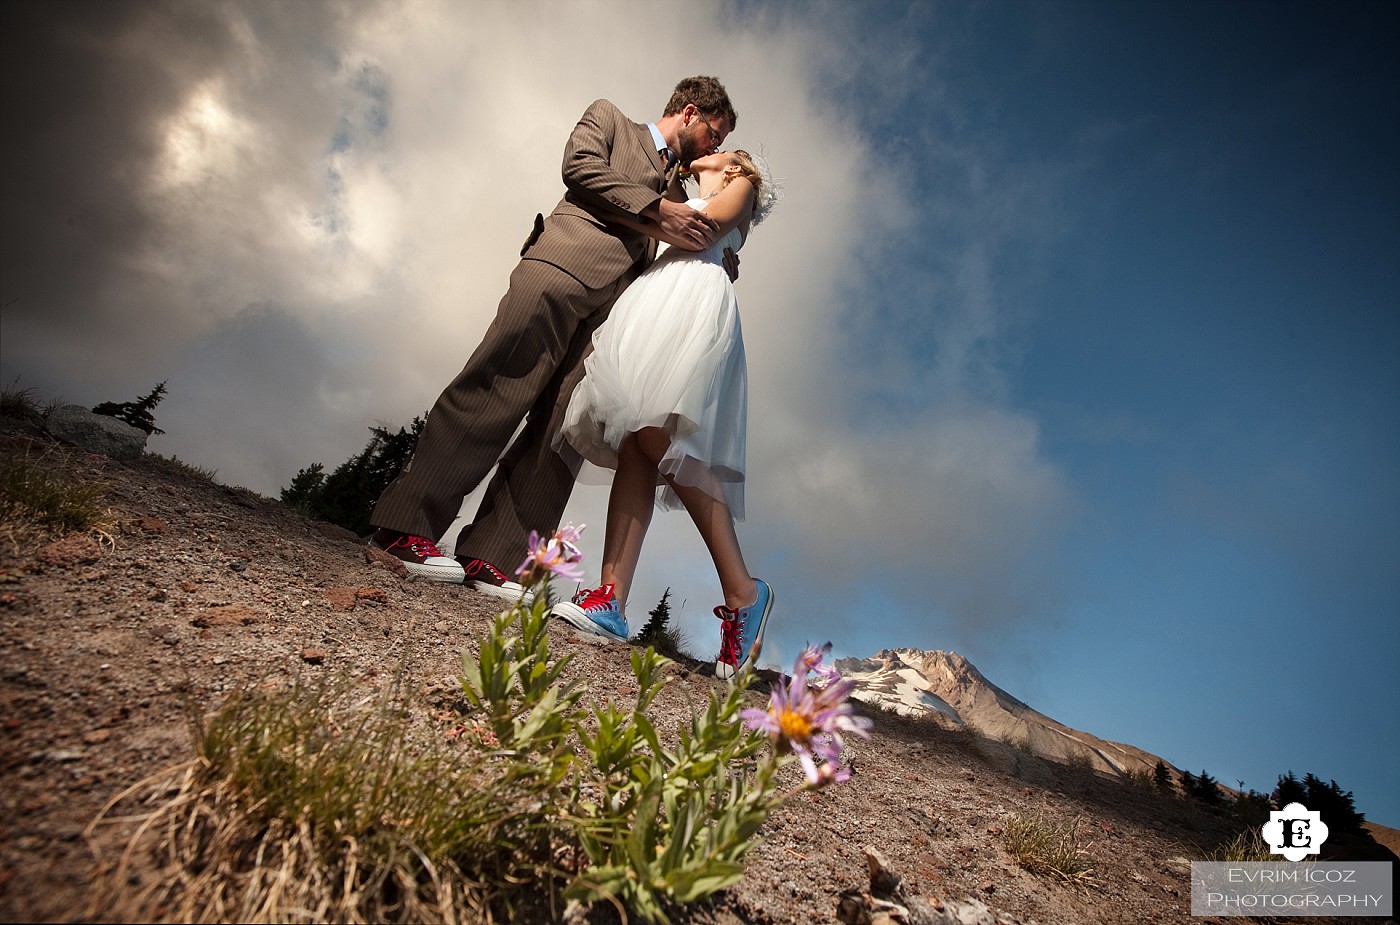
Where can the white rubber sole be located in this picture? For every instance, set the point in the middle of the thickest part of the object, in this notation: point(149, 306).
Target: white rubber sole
point(453, 573)
point(503, 592)
point(573, 615)
point(723, 670)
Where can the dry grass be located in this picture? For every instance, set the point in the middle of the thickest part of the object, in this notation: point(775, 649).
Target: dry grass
point(41, 498)
point(176, 464)
point(308, 805)
point(20, 404)
point(1043, 846)
point(1246, 846)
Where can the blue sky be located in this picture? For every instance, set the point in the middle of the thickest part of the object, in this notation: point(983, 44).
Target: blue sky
point(1072, 343)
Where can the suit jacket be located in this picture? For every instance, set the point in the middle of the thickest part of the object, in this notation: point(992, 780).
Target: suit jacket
point(611, 167)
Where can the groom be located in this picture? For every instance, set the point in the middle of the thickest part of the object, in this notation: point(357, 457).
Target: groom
point(622, 197)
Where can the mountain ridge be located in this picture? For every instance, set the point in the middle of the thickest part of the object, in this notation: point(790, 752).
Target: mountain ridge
point(948, 688)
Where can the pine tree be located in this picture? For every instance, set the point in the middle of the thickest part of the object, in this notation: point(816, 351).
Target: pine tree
point(1252, 807)
point(657, 619)
point(658, 631)
point(306, 485)
point(1336, 808)
point(346, 497)
point(1289, 790)
point(1162, 777)
point(1207, 790)
point(136, 413)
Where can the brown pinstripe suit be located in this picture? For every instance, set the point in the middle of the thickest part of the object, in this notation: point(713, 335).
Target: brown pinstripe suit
point(572, 269)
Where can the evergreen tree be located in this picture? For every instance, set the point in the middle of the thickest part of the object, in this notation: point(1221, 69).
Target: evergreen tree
point(658, 631)
point(1208, 790)
point(347, 496)
point(657, 619)
point(1289, 790)
point(1162, 777)
point(306, 485)
point(1336, 808)
point(1203, 788)
point(136, 413)
point(1252, 807)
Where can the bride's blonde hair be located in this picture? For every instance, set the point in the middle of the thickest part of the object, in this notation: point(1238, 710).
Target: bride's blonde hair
point(755, 170)
point(748, 169)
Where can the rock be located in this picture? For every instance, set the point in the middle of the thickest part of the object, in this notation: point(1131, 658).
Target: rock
point(852, 908)
point(373, 595)
point(379, 558)
point(887, 903)
point(96, 433)
point(72, 550)
point(227, 615)
point(144, 524)
point(342, 599)
point(884, 882)
point(336, 532)
point(62, 755)
point(313, 656)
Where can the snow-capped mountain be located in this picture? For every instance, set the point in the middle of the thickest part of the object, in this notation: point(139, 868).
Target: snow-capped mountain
point(948, 687)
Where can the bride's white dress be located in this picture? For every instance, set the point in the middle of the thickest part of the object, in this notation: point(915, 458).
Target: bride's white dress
point(670, 355)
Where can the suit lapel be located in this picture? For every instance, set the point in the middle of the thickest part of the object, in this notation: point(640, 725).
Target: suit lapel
point(654, 158)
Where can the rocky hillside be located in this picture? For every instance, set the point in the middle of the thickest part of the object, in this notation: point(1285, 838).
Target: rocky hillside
point(191, 591)
point(949, 689)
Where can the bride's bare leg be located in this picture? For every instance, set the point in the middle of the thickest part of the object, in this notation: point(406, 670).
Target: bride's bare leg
point(630, 506)
point(712, 518)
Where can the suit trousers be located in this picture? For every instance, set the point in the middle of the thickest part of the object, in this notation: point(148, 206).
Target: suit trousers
point(525, 367)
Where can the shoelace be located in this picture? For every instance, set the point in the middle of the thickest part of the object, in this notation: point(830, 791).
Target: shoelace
point(420, 545)
point(477, 566)
point(730, 632)
point(598, 598)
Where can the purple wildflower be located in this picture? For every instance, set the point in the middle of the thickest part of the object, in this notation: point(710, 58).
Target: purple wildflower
point(554, 555)
point(809, 721)
point(811, 659)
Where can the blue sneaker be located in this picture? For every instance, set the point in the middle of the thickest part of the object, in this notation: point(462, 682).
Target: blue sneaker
point(597, 612)
point(740, 630)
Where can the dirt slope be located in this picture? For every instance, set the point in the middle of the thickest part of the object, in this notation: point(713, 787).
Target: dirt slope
point(209, 588)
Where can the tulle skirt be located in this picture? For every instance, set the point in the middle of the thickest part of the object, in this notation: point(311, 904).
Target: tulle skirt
point(670, 355)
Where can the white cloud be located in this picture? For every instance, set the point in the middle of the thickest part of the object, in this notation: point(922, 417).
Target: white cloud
point(328, 202)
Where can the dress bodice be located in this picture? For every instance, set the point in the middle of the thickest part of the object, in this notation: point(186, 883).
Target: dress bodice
point(733, 238)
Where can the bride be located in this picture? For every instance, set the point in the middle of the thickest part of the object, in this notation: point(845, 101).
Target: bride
point(664, 402)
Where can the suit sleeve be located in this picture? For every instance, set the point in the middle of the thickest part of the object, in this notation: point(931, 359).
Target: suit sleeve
point(588, 170)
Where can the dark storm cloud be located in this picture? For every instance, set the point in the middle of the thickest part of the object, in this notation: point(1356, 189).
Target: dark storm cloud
point(88, 99)
point(86, 88)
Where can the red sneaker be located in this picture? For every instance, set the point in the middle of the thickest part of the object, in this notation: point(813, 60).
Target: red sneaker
point(420, 555)
point(486, 578)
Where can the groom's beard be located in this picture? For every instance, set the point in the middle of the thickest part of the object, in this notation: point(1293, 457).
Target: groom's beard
point(691, 145)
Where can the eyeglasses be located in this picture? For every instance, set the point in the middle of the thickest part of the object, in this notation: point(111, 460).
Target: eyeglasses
point(715, 136)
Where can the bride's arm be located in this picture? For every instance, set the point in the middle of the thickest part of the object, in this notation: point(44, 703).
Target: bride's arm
point(697, 231)
point(731, 207)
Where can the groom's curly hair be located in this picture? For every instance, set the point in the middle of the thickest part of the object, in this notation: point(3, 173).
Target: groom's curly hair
point(708, 95)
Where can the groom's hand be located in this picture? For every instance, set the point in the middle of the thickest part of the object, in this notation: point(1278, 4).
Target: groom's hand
point(682, 226)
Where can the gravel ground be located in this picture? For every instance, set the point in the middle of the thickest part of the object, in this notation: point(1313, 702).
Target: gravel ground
point(209, 588)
